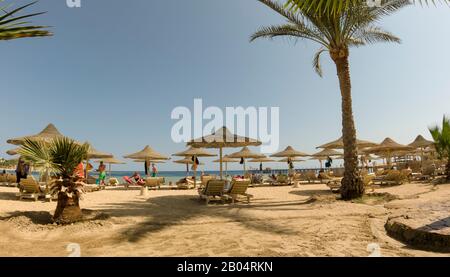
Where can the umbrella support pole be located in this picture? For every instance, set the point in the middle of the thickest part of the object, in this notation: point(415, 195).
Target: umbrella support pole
point(221, 166)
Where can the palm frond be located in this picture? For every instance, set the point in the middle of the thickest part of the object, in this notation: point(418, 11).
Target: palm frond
point(37, 152)
point(330, 7)
point(316, 62)
point(375, 34)
point(9, 22)
point(67, 154)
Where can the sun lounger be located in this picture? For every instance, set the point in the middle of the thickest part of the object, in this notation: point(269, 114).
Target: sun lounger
point(187, 183)
point(153, 182)
point(392, 178)
point(213, 189)
point(31, 189)
point(238, 188)
point(205, 179)
point(282, 180)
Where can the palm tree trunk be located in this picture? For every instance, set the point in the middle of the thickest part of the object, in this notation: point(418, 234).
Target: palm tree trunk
point(67, 210)
point(352, 184)
point(447, 169)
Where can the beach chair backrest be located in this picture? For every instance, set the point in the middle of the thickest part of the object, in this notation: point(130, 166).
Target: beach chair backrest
point(239, 187)
point(29, 185)
point(11, 178)
point(282, 178)
point(153, 182)
point(206, 179)
point(214, 187)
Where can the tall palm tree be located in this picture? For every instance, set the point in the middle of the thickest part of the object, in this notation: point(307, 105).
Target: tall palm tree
point(336, 6)
point(336, 33)
point(441, 137)
point(61, 157)
point(13, 26)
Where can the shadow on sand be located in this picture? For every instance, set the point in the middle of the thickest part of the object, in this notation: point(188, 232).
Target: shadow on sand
point(166, 211)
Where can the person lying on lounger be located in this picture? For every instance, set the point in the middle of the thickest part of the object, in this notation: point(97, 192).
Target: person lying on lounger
point(135, 179)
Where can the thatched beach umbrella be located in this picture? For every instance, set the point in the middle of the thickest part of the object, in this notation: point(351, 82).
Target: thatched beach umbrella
point(421, 142)
point(95, 154)
point(220, 139)
point(325, 154)
point(261, 161)
point(187, 162)
point(194, 154)
point(289, 152)
point(244, 154)
point(47, 135)
point(147, 154)
point(387, 148)
point(339, 144)
point(226, 159)
point(110, 162)
point(294, 160)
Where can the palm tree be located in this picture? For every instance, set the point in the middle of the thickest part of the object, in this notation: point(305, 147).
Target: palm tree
point(61, 157)
point(12, 26)
point(337, 6)
point(336, 33)
point(441, 137)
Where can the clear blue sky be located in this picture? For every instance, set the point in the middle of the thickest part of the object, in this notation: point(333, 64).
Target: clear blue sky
point(114, 71)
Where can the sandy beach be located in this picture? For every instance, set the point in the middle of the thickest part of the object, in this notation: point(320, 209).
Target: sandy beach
point(280, 221)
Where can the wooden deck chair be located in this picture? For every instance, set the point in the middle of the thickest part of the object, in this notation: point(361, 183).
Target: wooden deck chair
point(213, 189)
point(238, 188)
point(31, 189)
point(282, 180)
point(205, 179)
point(153, 182)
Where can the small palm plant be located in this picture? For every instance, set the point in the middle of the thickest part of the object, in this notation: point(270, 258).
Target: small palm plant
point(441, 137)
point(61, 157)
point(12, 25)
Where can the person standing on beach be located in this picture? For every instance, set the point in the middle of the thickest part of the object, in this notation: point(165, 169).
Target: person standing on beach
point(20, 169)
point(102, 177)
point(154, 170)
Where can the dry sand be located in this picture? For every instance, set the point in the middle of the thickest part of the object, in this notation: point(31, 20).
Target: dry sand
point(280, 221)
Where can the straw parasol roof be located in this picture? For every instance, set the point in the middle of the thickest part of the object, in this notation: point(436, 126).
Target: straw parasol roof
point(223, 138)
point(220, 139)
point(186, 161)
point(326, 153)
point(388, 146)
point(150, 161)
point(95, 154)
point(227, 159)
point(111, 161)
point(197, 152)
point(289, 152)
point(146, 154)
point(246, 153)
point(420, 142)
point(294, 160)
point(339, 144)
point(262, 160)
point(48, 134)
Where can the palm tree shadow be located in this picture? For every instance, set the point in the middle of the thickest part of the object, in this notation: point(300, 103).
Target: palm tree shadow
point(9, 196)
point(38, 218)
point(166, 211)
